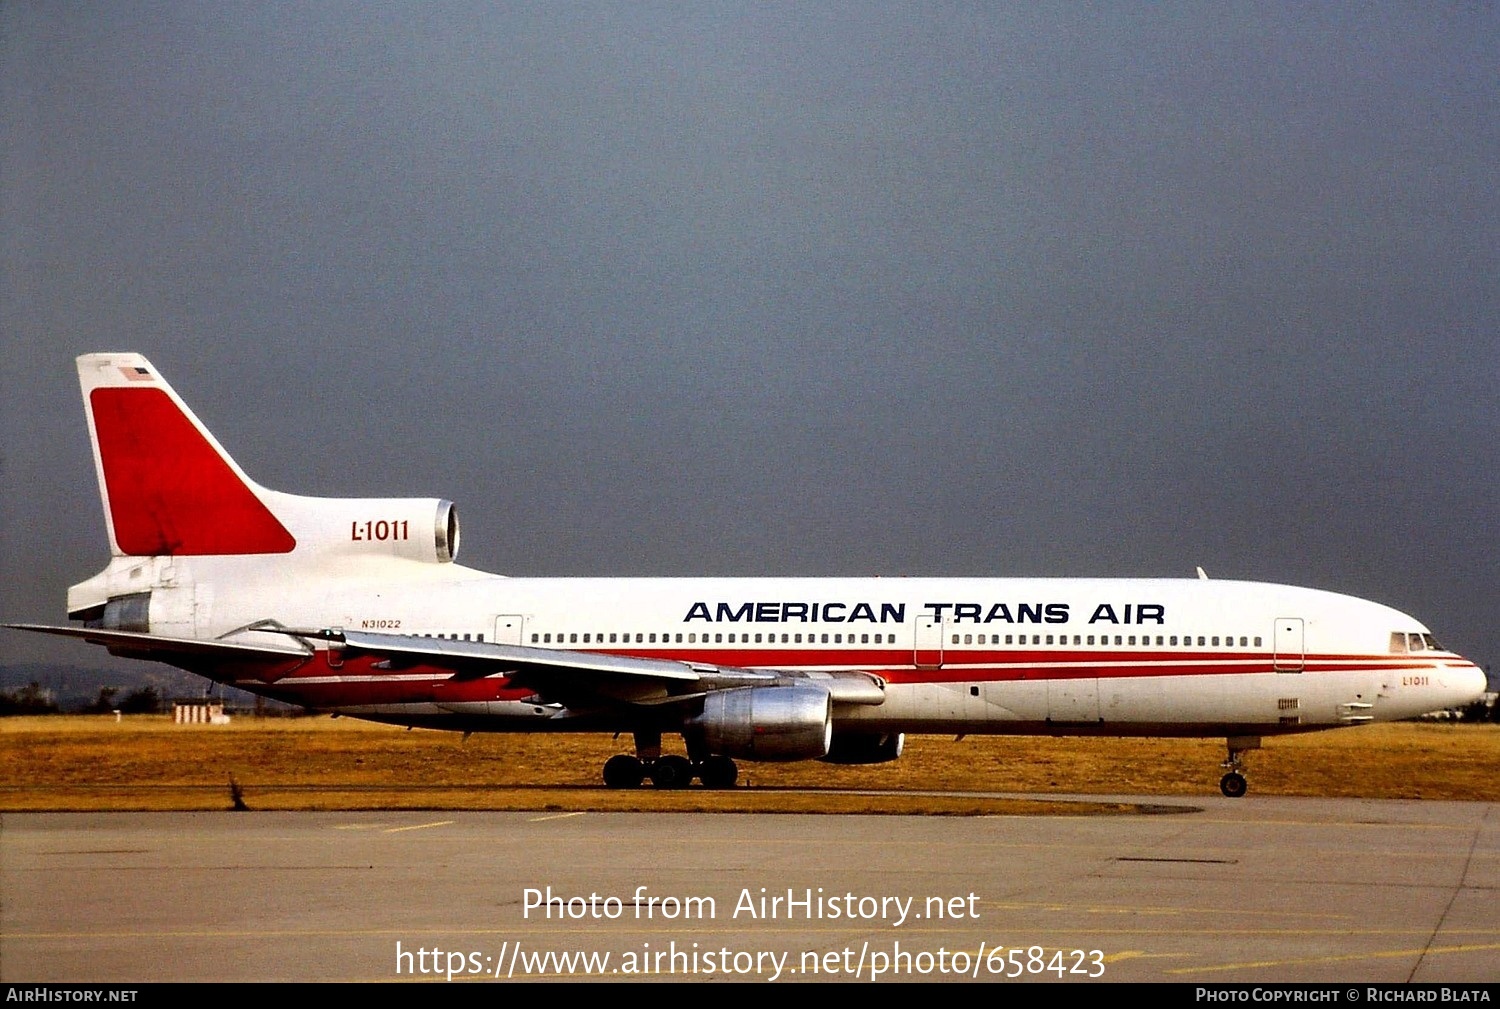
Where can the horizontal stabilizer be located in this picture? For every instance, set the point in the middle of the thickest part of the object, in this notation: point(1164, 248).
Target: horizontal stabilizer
point(158, 647)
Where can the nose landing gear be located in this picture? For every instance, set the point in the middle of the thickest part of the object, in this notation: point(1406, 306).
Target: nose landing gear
point(1233, 784)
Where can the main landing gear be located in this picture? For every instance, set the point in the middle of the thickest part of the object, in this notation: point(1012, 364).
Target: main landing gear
point(667, 771)
point(1233, 784)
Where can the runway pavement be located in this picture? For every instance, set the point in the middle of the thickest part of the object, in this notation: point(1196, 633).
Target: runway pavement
point(1202, 891)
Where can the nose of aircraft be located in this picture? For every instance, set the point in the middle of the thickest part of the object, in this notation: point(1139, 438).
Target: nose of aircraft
point(1466, 683)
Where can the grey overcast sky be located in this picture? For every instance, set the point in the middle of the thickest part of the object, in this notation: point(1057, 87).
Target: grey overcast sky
point(1043, 289)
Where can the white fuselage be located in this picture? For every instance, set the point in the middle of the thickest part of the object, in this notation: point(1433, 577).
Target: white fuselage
point(1110, 656)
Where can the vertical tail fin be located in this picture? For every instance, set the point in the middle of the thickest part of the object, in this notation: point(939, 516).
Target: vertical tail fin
point(167, 485)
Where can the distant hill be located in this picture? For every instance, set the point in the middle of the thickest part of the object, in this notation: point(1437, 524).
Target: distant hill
point(73, 687)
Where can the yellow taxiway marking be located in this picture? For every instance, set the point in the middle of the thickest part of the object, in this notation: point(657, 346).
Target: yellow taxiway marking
point(417, 826)
point(1137, 954)
point(554, 816)
point(1384, 954)
point(1125, 909)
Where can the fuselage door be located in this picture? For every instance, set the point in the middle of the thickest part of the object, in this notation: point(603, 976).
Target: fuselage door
point(1289, 645)
point(508, 629)
point(928, 652)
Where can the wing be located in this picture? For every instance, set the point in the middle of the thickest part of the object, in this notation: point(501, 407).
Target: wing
point(591, 679)
point(577, 680)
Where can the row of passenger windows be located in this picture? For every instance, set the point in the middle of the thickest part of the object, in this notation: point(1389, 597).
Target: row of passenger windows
point(1120, 639)
point(1401, 641)
point(718, 638)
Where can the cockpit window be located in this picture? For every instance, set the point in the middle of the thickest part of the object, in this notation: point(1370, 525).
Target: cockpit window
point(1411, 641)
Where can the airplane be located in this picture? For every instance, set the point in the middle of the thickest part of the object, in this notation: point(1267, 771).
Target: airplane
point(357, 607)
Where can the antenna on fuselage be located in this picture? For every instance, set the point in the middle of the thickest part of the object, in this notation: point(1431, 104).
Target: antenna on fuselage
point(1203, 575)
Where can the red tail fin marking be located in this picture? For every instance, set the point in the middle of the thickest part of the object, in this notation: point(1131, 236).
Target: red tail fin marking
point(170, 491)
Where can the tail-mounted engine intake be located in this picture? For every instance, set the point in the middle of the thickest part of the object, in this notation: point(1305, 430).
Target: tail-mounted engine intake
point(419, 529)
point(767, 723)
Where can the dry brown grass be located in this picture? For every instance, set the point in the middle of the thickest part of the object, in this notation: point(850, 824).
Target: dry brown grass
point(148, 763)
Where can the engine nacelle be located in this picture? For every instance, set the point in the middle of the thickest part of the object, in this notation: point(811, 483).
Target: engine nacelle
point(419, 529)
point(767, 723)
point(873, 748)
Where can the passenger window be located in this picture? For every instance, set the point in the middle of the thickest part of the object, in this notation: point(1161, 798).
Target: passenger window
point(825, 639)
point(1132, 639)
point(864, 639)
point(572, 639)
point(718, 639)
point(968, 639)
point(533, 638)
